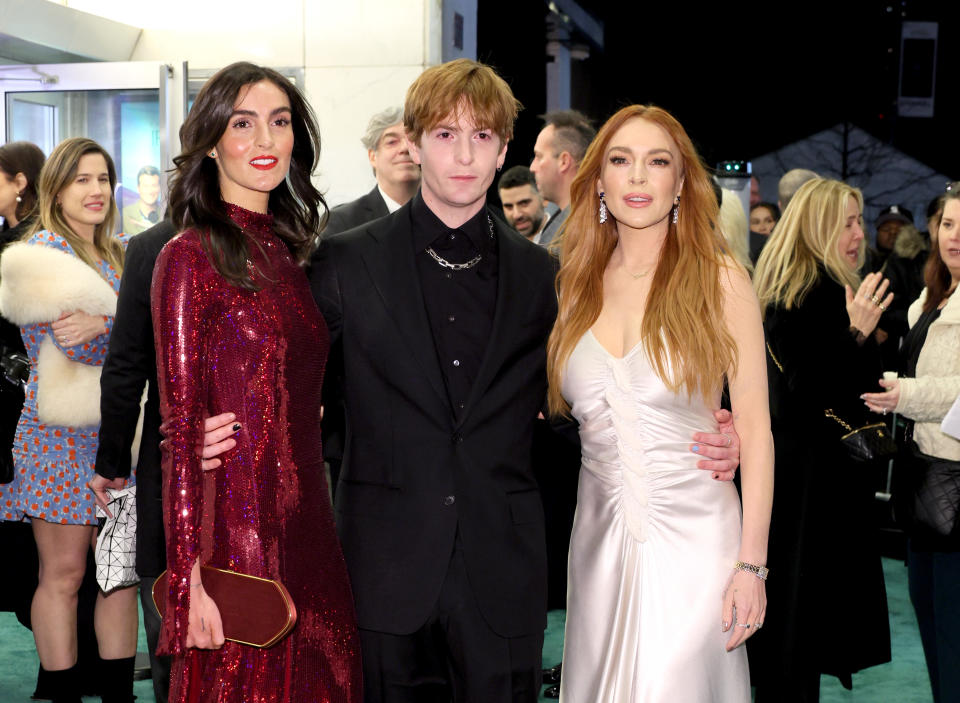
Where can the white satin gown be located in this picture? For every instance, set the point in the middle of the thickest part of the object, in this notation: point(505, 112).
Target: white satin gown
point(653, 545)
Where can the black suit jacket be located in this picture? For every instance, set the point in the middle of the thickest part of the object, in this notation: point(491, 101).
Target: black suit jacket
point(357, 212)
point(413, 476)
point(131, 361)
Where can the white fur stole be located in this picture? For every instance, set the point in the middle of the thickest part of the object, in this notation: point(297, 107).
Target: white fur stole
point(38, 284)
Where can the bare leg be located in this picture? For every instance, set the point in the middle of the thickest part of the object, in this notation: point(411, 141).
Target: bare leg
point(63, 553)
point(115, 620)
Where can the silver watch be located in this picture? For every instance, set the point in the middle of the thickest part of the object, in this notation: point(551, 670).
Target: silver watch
point(761, 572)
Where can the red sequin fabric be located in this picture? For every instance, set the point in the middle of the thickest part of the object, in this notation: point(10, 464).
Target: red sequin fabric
point(266, 510)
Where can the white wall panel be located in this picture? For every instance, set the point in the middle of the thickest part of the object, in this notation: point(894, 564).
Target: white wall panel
point(364, 32)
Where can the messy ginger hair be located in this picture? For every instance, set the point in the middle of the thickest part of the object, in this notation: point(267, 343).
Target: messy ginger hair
point(683, 331)
point(452, 87)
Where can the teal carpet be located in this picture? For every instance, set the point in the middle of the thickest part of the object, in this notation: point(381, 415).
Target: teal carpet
point(904, 680)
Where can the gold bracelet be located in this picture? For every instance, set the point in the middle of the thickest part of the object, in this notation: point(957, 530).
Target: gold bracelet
point(761, 572)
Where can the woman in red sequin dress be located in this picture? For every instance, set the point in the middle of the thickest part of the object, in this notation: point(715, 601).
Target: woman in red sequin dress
point(237, 329)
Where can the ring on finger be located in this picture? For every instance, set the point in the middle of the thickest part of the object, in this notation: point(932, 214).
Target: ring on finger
point(744, 625)
point(875, 299)
point(883, 308)
point(757, 625)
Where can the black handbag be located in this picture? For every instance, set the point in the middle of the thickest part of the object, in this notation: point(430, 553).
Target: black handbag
point(14, 368)
point(926, 496)
point(866, 444)
point(14, 374)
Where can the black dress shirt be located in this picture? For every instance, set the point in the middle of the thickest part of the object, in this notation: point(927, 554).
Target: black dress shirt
point(459, 303)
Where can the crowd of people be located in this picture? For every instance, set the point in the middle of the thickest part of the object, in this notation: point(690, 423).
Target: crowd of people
point(616, 337)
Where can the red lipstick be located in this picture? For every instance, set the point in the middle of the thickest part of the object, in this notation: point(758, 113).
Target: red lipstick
point(264, 163)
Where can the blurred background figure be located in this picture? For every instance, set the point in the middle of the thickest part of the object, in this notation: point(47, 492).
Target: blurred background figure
point(822, 353)
point(733, 225)
point(397, 176)
point(887, 224)
point(522, 202)
point(557, 154)
point(763, 218)
point(145, 212)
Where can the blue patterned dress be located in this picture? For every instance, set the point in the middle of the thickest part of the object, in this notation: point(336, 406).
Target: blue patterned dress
point(53, 464)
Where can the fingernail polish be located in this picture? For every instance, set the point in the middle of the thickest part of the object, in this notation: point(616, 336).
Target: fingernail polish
point(236, 426)
point(696, 447)
point(726, 625)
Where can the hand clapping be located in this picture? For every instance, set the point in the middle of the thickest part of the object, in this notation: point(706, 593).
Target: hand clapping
point(866, 307)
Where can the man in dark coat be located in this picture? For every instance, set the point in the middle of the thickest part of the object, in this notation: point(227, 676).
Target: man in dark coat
point(398, 177)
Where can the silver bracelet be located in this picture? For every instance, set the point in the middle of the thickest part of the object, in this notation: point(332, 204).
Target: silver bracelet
point(761, 572)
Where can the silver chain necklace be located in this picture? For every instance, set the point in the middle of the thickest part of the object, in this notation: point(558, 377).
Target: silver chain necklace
point(465, 265)
point(450, 265)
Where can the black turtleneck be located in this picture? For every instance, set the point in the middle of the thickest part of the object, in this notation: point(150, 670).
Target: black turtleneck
point(459, 304)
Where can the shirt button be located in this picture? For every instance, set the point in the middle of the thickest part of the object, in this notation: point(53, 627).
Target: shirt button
point(457, 438)
point(448, 274)
point(456, 362)
point(452, 318)
point(449, 500)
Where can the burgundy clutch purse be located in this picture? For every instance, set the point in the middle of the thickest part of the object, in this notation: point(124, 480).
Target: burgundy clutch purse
point(255, 611)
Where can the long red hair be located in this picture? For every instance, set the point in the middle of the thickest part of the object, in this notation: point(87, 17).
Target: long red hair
point(683, 330)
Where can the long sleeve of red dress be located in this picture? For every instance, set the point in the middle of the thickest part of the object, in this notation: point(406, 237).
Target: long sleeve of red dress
point(266, 510)
point(180, 314)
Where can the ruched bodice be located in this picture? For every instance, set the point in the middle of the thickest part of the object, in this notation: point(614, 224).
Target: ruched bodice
point(654, 541)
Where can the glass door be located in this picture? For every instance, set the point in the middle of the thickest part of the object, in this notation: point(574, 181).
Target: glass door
point(134, 110)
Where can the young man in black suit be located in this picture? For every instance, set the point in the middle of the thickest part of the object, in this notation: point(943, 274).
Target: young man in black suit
point(442, 376)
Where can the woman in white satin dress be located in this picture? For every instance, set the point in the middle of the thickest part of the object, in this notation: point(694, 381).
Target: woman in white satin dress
point(654, 314)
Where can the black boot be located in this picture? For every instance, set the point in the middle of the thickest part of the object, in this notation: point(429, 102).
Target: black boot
point(61, 685)
point(117, 686)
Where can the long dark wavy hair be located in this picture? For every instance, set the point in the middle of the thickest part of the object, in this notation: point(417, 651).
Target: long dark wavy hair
point(195, 200)
point(25, 158)
point(936, 275)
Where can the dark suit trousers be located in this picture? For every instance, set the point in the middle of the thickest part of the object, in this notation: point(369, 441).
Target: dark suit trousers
point(455, 656)
point(934, 579)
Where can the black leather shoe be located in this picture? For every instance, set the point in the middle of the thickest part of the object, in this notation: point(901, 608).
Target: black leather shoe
point(552, 692)
point(552, 675)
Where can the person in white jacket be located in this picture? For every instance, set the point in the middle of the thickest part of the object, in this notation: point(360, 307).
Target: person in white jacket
point(931, 352)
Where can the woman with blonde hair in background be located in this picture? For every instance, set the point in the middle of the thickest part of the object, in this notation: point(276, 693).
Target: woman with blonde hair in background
point(828, 611)
point(60, 285)
point(653, 315)
point(732, 221)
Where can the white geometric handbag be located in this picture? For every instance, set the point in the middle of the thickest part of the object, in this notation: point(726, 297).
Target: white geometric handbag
point(116, 552)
